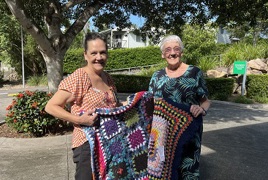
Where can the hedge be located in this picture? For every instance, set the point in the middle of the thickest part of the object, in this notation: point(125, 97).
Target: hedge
point(118, 58)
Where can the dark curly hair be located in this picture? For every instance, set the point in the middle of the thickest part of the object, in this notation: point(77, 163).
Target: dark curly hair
point(93, 36)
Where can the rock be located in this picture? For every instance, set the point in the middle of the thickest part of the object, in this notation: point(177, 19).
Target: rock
point(215, 74)
point(258, 64)
point(254, 71)
point(255, 66)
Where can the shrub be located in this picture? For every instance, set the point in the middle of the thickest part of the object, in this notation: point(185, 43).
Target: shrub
point(131, 83)
point(260, 99)
point(73, 59)
point(1, 78)
point(207, 62)
point(118, 58)
point(243, 51)
point(243, 100)
point(37, 80)
point(220, 88)
point(26, 114)
point(149, 72)
point(257, 86)
point(133, 57)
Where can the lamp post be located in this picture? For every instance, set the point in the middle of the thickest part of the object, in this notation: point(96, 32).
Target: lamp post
point(22, 59)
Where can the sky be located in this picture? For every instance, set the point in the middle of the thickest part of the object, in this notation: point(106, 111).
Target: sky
point(137, 20)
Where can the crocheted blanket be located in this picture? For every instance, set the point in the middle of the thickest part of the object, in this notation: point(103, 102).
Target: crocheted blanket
point(142, 140)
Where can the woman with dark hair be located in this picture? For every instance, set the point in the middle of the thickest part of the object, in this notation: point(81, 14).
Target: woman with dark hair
point(86, 89)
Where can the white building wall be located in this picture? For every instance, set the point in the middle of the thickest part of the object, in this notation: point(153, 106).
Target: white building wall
point(133, 43)
point(125, 40)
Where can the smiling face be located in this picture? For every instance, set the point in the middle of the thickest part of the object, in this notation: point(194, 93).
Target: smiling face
point(96, 55)
point(172, 52)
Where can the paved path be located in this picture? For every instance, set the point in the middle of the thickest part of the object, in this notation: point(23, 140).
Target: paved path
point(235, 143)
point(234, 147)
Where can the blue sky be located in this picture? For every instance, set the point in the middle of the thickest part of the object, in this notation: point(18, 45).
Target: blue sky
point(137, 20)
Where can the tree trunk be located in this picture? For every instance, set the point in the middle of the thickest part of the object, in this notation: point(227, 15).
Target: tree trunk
point(54, 71)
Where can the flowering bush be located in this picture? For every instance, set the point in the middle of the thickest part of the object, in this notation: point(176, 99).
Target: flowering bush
point(26, 114)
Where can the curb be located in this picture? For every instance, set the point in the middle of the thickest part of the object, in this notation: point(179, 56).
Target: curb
point(12, 95)
point(251, 106)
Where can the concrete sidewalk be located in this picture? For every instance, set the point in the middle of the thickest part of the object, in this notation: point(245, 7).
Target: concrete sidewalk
point(234, 147)
point(36, 158)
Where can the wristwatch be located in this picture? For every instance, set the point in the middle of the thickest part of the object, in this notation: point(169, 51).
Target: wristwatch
point(204, 111)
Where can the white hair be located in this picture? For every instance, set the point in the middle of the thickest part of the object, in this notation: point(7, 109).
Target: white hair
point(171, 38)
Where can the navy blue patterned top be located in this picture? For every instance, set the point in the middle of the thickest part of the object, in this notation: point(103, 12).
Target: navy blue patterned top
point(187, 89)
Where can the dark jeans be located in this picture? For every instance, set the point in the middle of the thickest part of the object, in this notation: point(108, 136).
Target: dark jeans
point(82, 159)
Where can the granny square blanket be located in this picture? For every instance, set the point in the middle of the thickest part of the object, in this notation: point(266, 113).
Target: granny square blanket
point(142, 140)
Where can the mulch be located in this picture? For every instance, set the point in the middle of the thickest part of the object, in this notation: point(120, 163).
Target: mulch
point(8, 132)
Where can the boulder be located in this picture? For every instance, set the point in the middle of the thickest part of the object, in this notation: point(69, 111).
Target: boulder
point(215, 74)
point(258, 64)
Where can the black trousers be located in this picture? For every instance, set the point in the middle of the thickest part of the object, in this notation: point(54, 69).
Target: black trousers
point(82, 159)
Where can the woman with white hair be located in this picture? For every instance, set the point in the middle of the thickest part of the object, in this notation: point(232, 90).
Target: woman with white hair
point(184, 84)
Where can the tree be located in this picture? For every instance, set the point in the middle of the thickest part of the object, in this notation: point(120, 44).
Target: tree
point(9, 35)
point(249, 16)
point(10, 45)
point(54, 24)
point(249, 34)
point(198, 42)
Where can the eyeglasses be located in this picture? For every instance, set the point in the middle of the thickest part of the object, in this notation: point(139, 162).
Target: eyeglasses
point(175, 49)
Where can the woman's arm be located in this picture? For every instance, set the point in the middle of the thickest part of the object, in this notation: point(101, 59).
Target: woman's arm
point(56, 104)
point(205, 104)
point(196, 110)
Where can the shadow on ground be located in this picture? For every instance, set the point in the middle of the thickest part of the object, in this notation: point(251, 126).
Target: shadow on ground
point(235, 144)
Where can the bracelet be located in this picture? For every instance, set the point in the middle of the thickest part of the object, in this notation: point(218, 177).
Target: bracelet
point(204, 111)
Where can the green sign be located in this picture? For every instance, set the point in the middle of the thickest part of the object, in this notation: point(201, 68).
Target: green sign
point(240, 67)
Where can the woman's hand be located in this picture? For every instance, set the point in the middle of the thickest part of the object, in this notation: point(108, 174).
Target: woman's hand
point(88, 118)
point(196, 110)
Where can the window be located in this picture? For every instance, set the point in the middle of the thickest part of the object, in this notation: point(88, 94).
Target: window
point(138, 38)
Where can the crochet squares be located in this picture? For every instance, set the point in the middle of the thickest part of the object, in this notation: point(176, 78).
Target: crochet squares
point(136, 139)
point(148, 108)
point(120, 171)
point(156, 145)
point(142, 140)
point(116, 148)
point(111, 127)
point(140, 162)
point(131, 117)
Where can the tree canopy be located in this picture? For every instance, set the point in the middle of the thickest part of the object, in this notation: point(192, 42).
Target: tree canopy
point(54, 24)
point(241, 16)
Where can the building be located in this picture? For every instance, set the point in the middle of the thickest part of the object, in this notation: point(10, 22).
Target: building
point(124, 38)
point(223, 36)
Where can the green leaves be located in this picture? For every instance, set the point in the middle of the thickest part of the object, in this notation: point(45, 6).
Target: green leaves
point(118, 58)
point(198, 42)
point(26, 113)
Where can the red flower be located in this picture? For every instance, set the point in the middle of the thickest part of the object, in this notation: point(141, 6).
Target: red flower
point(49, 95)
point(20, 95)
point(10, 115)
point(29, 93)
point(14, 102)
point(34, 105)
point(9, 107)
point(15, 120)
